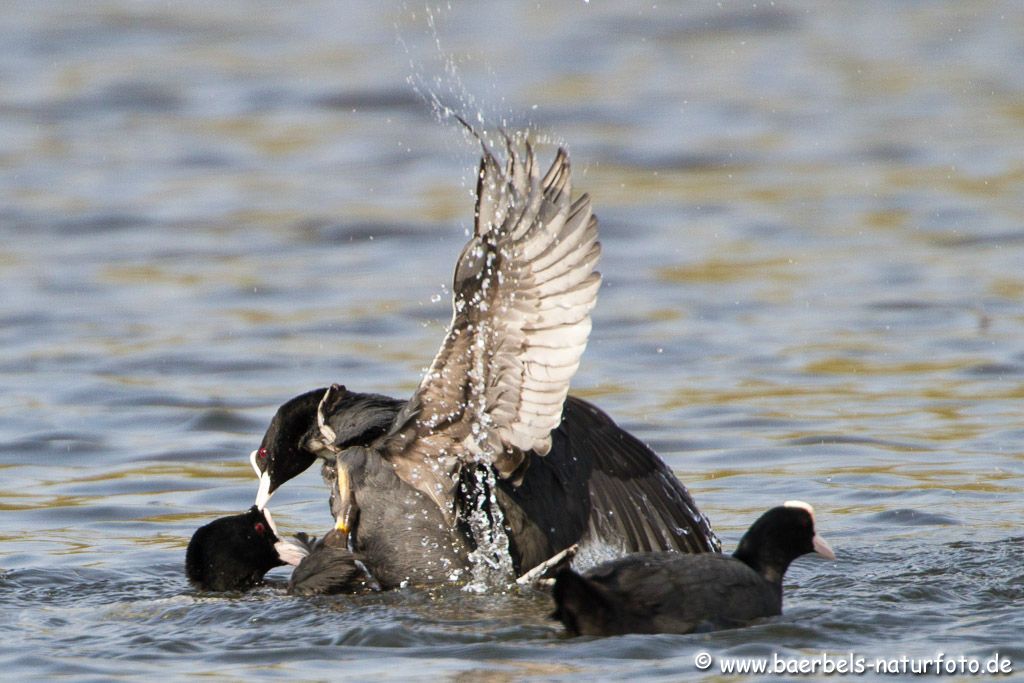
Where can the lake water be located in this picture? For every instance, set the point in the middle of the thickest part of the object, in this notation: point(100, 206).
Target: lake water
point(813, 221)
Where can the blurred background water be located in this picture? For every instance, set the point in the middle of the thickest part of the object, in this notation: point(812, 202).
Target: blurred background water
point(813, 219)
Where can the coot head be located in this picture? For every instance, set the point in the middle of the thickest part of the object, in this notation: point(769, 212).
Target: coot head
point(233, 553)
point(317, 424)
point(281, 455)
point(778, 537)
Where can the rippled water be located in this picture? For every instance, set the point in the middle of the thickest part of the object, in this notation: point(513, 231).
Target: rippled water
point(813, 218)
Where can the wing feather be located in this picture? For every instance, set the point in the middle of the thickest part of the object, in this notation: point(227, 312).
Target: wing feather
point(636, 501)
point(523, 290)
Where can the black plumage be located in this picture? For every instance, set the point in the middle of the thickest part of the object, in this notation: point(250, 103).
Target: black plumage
point(329, 568)
point(295, 438)
point(598, 484)
point(232, 553)
point(679, 593)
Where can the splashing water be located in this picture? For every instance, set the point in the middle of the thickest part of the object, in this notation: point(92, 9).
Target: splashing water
point(491, 563)
point(436, 78)
point(593, 552)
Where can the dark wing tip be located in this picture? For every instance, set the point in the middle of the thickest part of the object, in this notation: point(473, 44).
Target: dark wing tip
point(636, 498)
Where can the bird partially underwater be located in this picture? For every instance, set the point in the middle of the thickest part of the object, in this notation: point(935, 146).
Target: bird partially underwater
point(234, 553)
point(491, 450)
point(677, 593)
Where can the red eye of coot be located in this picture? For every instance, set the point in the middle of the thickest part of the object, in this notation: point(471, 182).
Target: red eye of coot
point(261, 455)
point(258, 526)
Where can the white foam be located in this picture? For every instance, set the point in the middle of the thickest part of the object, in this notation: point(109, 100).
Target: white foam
point(593, 552)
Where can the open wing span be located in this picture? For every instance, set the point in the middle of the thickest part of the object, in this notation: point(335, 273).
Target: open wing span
point(523, 290)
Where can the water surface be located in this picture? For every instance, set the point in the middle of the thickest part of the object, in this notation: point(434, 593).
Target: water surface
point(813, 219)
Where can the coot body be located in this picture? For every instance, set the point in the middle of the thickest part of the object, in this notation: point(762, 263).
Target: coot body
point(678, 593)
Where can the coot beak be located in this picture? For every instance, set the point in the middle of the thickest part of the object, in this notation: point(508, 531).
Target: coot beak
point(270, 521)
point(822, 547)
point(252, 461)
point(264, 493)
point(288, 552)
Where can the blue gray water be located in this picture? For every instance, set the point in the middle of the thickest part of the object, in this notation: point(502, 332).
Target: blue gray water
point(813, 219)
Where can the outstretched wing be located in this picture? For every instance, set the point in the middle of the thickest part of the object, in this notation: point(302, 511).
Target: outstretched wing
point(636, 502)
point(523, 289)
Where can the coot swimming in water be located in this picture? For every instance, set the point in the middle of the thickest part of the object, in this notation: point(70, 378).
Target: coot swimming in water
point(495, 398)
point(234, 553)
point(676, 593)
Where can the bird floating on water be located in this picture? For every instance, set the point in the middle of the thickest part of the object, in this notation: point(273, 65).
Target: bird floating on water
point(676, 593)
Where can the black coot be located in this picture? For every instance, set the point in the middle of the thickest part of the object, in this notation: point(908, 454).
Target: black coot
point(233, 553)
point(598, 484)
point(676, 593)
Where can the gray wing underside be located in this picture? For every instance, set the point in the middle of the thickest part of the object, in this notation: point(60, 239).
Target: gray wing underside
point(523, 289)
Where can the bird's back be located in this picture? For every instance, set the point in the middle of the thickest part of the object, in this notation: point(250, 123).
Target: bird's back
point(664, 593)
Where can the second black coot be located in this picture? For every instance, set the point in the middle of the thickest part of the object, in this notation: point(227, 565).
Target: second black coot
point(234, 553)
point(676, 593)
